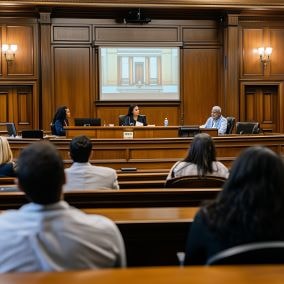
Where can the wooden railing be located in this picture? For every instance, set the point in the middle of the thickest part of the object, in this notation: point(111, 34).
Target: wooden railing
point(157, 153)
point(244, 274)
point(122, 198)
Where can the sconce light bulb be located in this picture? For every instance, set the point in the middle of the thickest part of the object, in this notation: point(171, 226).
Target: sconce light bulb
point(268, 51)
point(5, 47)
point(261, 51)
point(13, 48)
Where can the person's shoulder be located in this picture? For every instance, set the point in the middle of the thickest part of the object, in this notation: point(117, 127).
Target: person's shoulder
point(199, 216)
point(104, 169)
point(220, 164)
point(96, 221)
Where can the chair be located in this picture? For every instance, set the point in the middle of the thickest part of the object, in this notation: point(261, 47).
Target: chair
point(253, 253)
point(247, 128)
point(11, 129)
point(121, 119)
point(52, 128)
point(195, 182)
point(230, 124)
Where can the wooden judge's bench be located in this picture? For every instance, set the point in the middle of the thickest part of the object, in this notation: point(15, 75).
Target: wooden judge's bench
point(151, 148)
point(134, 132)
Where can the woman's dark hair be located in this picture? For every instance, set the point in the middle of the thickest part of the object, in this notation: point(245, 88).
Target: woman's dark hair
point(80, 149)
point(60, 114)
point(251, 205)
point(130, 109)
point(202, 153)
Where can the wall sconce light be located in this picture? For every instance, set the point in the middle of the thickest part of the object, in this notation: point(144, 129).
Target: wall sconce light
point(9, 51)
point(264, 55)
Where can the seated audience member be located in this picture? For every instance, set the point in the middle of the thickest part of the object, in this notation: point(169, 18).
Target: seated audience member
point(133, 118)
point(250, 207)
point(48, 234)
point(200, 160)
point(60, 120)
point(82, 175)
point(216, 120)
point(7, 165)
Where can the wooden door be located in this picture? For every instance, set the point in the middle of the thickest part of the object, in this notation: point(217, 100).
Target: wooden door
point(16, 105)
point(261, 103)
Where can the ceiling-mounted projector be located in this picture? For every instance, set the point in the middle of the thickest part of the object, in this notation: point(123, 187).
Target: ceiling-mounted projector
point(135, 17)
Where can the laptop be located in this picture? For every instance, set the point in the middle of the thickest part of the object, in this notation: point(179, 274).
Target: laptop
point(11, 129)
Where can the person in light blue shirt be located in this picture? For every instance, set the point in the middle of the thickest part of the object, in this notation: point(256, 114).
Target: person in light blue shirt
point(216, 120)
point(48, 234)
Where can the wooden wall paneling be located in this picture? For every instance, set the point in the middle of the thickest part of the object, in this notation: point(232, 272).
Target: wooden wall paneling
point(231, 67)
point(281, 107)
point(201, 88)
point(2, 57)
point(24, 63)
point(71, 33)
point(277, 58)
point(72, 79)
point(250, 105)
point(24, 107)
point(17, 105)
point(136, 34)
point(47, 95)
point(207, 33)
point(269, 104)
point(252, 38)
point(4, 105)
point(262, 103)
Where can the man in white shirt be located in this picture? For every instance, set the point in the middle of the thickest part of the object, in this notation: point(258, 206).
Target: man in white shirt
point(216, 120)
point(83, 175)
point(48, 234)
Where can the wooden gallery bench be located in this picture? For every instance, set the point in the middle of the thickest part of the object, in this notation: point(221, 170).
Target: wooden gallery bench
point(233, 274)
point(127, 198)
point(154, 222)
point(152, 236)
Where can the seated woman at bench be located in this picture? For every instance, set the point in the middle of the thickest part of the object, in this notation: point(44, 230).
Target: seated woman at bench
point(7, 165)
point(133, 117)
point(200, 160)
point(250, 207)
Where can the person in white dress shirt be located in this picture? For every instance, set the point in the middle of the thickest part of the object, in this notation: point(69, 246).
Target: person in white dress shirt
point(216, 120)
point(48, 234)
point(82, 175)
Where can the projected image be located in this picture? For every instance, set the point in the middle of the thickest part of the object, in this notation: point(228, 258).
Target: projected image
point(139, 73)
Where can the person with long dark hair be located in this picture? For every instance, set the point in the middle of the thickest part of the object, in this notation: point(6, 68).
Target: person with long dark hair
point(60, 120)
point(250, 208)
point(133, 117)
point(200, 160)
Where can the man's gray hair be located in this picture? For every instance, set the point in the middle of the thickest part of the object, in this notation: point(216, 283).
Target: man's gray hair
point(216, 109)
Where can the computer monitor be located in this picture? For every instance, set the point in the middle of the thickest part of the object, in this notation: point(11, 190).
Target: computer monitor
point(36, 133)
point(188, 131)
point(11, 129)
point(87, 121)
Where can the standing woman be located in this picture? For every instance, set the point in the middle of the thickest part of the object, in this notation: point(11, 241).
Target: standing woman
point(133, 118)
point(7, 165)
point(60, 120)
